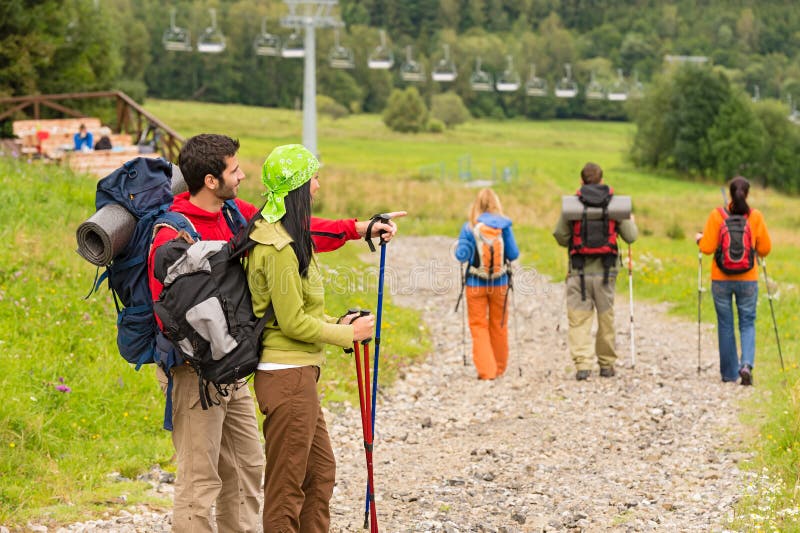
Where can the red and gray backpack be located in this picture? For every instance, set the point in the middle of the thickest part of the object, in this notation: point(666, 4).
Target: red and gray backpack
point(594, 237)
point(735, 253)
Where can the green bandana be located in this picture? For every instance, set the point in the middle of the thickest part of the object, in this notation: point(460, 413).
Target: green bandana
point(285, 169)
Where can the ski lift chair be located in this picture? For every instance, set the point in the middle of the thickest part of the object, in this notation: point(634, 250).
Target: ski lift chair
point(566, 87)
point(265, 43)
point(339, 56)
point(293, 47)
point(480, 80)
point(445, 69)
point(619, 91)
point(594, 91)
point(176, 39)
point(637, 89)
point(411, 70)
point(211, 41)
point(382, 57)
point(756, 93)
point(509, 81)
point(535, 86)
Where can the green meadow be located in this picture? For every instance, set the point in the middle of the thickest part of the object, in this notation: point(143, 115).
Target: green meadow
point(58, 449)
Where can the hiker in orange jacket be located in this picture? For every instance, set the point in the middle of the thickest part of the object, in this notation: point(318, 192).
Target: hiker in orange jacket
point(744, 285)
point(486, 284)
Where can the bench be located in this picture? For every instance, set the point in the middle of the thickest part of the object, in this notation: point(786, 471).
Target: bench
point(102, 163)
point(23, 128)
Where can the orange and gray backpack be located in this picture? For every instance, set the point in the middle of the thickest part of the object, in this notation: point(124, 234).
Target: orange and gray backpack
point(489, 258)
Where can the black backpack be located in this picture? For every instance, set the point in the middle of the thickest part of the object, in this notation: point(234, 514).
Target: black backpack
point(206, 311)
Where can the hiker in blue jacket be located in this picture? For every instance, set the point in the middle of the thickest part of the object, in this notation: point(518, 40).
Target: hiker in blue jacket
point(487, 245)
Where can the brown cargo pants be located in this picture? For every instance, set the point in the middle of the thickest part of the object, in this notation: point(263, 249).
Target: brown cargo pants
point(300, 465)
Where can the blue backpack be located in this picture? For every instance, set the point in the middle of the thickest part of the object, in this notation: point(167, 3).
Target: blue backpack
point(143, 187)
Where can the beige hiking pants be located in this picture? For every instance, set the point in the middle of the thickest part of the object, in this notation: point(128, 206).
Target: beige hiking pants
point(580, 313)
point(220, 459)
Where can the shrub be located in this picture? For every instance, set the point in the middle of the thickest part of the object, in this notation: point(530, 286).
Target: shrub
point(405, 111)
point(450, 109)
point(328, 106)
point(435, 125)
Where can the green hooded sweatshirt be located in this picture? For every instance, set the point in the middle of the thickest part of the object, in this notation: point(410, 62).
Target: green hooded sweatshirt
point(301, 328)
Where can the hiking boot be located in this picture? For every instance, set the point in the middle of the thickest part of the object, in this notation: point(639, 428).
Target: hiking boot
point(581, 375)
point(746, 375)
point(607, 372)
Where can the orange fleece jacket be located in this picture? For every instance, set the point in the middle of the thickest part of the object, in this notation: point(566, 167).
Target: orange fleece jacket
point(710, 240)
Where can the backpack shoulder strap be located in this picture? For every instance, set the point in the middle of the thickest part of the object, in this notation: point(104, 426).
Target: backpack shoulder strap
point(178, 222)
point(233, 216)
point(723, 212)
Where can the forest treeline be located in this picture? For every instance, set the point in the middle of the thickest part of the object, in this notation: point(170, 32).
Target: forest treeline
point(55, 46)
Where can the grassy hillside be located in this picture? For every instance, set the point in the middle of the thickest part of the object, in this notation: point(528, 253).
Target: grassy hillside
point(54, 444)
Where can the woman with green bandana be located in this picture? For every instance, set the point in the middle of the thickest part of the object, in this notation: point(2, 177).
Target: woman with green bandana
point(282, 272)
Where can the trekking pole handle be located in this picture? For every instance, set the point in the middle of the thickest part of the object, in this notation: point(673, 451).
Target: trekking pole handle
point(384, 218)
point(350, 311)
point(364, 312)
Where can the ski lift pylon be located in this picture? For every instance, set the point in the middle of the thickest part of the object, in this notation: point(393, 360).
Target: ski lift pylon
point(411, 70)
point(265, 43)
point(566, 87)
point(293, 47)
point(619, 91)
point(176, 39)
point(480, 80)
point(339, 56)
point(445, 69)
point(211, 41)
point(382, 57)
point(535, 86)
point(509, 81)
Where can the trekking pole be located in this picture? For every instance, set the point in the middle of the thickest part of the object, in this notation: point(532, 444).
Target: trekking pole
point(362, 376)
point(699, 302)
point(763, 262)
point(630, 299)
point(384, 218)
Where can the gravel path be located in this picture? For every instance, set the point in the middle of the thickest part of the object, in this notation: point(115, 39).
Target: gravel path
point(654, 448)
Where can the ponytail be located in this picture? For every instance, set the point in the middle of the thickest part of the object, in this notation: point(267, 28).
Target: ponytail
point(739, 188)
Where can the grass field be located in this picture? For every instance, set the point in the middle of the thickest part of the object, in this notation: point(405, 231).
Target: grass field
point(54, 444)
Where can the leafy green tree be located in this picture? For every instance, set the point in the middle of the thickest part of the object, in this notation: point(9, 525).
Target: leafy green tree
point(778, 165)
point(450, 109)
point(736, 138)
point(697, 97)
point(405, 111)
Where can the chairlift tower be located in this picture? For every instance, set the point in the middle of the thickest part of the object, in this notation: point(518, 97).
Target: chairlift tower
point(309, 15)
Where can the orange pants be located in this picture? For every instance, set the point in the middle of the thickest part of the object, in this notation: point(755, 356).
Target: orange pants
point(489, 329)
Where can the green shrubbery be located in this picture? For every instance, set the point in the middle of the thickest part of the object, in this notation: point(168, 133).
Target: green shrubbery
point(695, 121)
point(406, 112)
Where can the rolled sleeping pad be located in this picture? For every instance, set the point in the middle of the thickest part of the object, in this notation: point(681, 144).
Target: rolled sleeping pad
point(108, 230)
point(619, 208)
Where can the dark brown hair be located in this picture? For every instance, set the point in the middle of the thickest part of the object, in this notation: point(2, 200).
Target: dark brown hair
point(739, 188)
point(591, 173)
point(205, 154)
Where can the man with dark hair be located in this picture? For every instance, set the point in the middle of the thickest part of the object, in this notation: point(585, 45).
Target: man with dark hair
point(591, 279)
point(219, 453)
point(83, 140)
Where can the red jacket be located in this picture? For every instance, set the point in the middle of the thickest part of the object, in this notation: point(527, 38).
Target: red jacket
point(328, 235)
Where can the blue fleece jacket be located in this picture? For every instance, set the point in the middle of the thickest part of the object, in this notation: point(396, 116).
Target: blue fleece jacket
point(465, 249)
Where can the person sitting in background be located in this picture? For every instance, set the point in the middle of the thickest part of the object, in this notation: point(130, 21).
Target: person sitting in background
point(84, 140)
point(104, 143)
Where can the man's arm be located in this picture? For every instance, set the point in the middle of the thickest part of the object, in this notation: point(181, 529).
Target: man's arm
point(563, 231)
point(330, 235)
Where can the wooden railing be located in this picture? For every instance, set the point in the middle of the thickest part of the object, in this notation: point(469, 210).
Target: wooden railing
point(131, 118)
